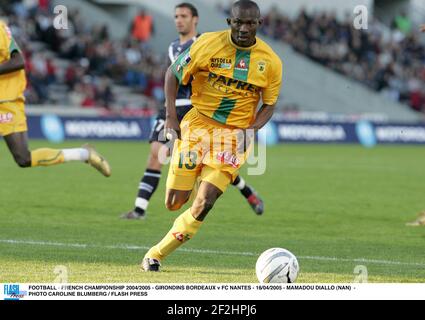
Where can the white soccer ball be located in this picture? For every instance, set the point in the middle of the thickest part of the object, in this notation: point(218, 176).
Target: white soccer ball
point(277, 265)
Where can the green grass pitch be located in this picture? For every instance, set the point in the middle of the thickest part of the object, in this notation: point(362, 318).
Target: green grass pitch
point(334, 207)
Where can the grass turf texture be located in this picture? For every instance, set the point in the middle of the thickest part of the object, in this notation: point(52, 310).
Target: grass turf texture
point(334, 207)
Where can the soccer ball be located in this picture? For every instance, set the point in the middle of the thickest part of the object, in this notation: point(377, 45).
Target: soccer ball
point(277, 265)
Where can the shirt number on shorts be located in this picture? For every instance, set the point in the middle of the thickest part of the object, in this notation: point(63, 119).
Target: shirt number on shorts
point(188, 160)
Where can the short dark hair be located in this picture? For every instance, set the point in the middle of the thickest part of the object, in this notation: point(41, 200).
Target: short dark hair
point(246, 4)
point(189, 6)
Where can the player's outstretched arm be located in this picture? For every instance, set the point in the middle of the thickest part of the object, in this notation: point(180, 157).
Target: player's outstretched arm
point(171, 88)
point(263, 116)
point(15, 63)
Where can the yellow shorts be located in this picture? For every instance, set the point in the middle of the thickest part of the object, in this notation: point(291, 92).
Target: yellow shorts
point(12, 117)
point(207, 150)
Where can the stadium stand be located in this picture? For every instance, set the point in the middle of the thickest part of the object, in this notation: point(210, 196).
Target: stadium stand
point(83, 65)
point(95, 63)
point(388, 61)
point(335, 93)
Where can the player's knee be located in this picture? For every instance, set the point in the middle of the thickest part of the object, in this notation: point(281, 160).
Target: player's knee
point(174, 200)
point(23, 161)
point(153, 158)
point(153, 162)
point(174, 204)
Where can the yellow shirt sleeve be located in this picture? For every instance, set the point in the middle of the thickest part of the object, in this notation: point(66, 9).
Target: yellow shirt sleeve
point(4, 48)
point(271, 92)
point(190, 61)
point(7, 43)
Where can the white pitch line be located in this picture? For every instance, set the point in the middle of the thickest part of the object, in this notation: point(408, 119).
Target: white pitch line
point(363, 260)
point(202, 251)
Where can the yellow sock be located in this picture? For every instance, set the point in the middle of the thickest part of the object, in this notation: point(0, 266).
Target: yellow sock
point(184, 228)
point(46, 157)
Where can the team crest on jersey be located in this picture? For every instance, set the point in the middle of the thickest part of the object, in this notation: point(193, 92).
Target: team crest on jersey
point(261, 67)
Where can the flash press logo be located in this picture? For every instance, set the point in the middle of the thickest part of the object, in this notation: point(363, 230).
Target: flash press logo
point(13, 292)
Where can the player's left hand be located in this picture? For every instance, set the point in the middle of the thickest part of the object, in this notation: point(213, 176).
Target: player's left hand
point(172, 129)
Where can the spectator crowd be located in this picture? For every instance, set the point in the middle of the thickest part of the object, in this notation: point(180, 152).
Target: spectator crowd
point(83, 58)
point(389, 60)
point(88, 63)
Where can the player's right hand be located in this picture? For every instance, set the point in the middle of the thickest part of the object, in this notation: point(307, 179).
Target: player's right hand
point(422, 28)
point(245, 140)
point(172, 129)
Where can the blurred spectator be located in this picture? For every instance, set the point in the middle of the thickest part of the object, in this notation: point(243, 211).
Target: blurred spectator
point(44, 5)
point(402, 22)
point(104, 95)
point(89, 93)
point(142, 27)
point(156, 86)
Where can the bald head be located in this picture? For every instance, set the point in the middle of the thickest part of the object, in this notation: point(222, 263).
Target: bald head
point(245, 5)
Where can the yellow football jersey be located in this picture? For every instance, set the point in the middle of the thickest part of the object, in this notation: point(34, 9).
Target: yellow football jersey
point(12, 85)
point(228, 81)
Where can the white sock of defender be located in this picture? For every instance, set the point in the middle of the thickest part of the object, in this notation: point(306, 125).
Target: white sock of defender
point(241, 185)
point(141, 203)
point(77, 154)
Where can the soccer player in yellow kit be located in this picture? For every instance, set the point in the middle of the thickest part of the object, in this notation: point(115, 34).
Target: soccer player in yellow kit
point(13, 123)
point(186, 20)
point(230, 71)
